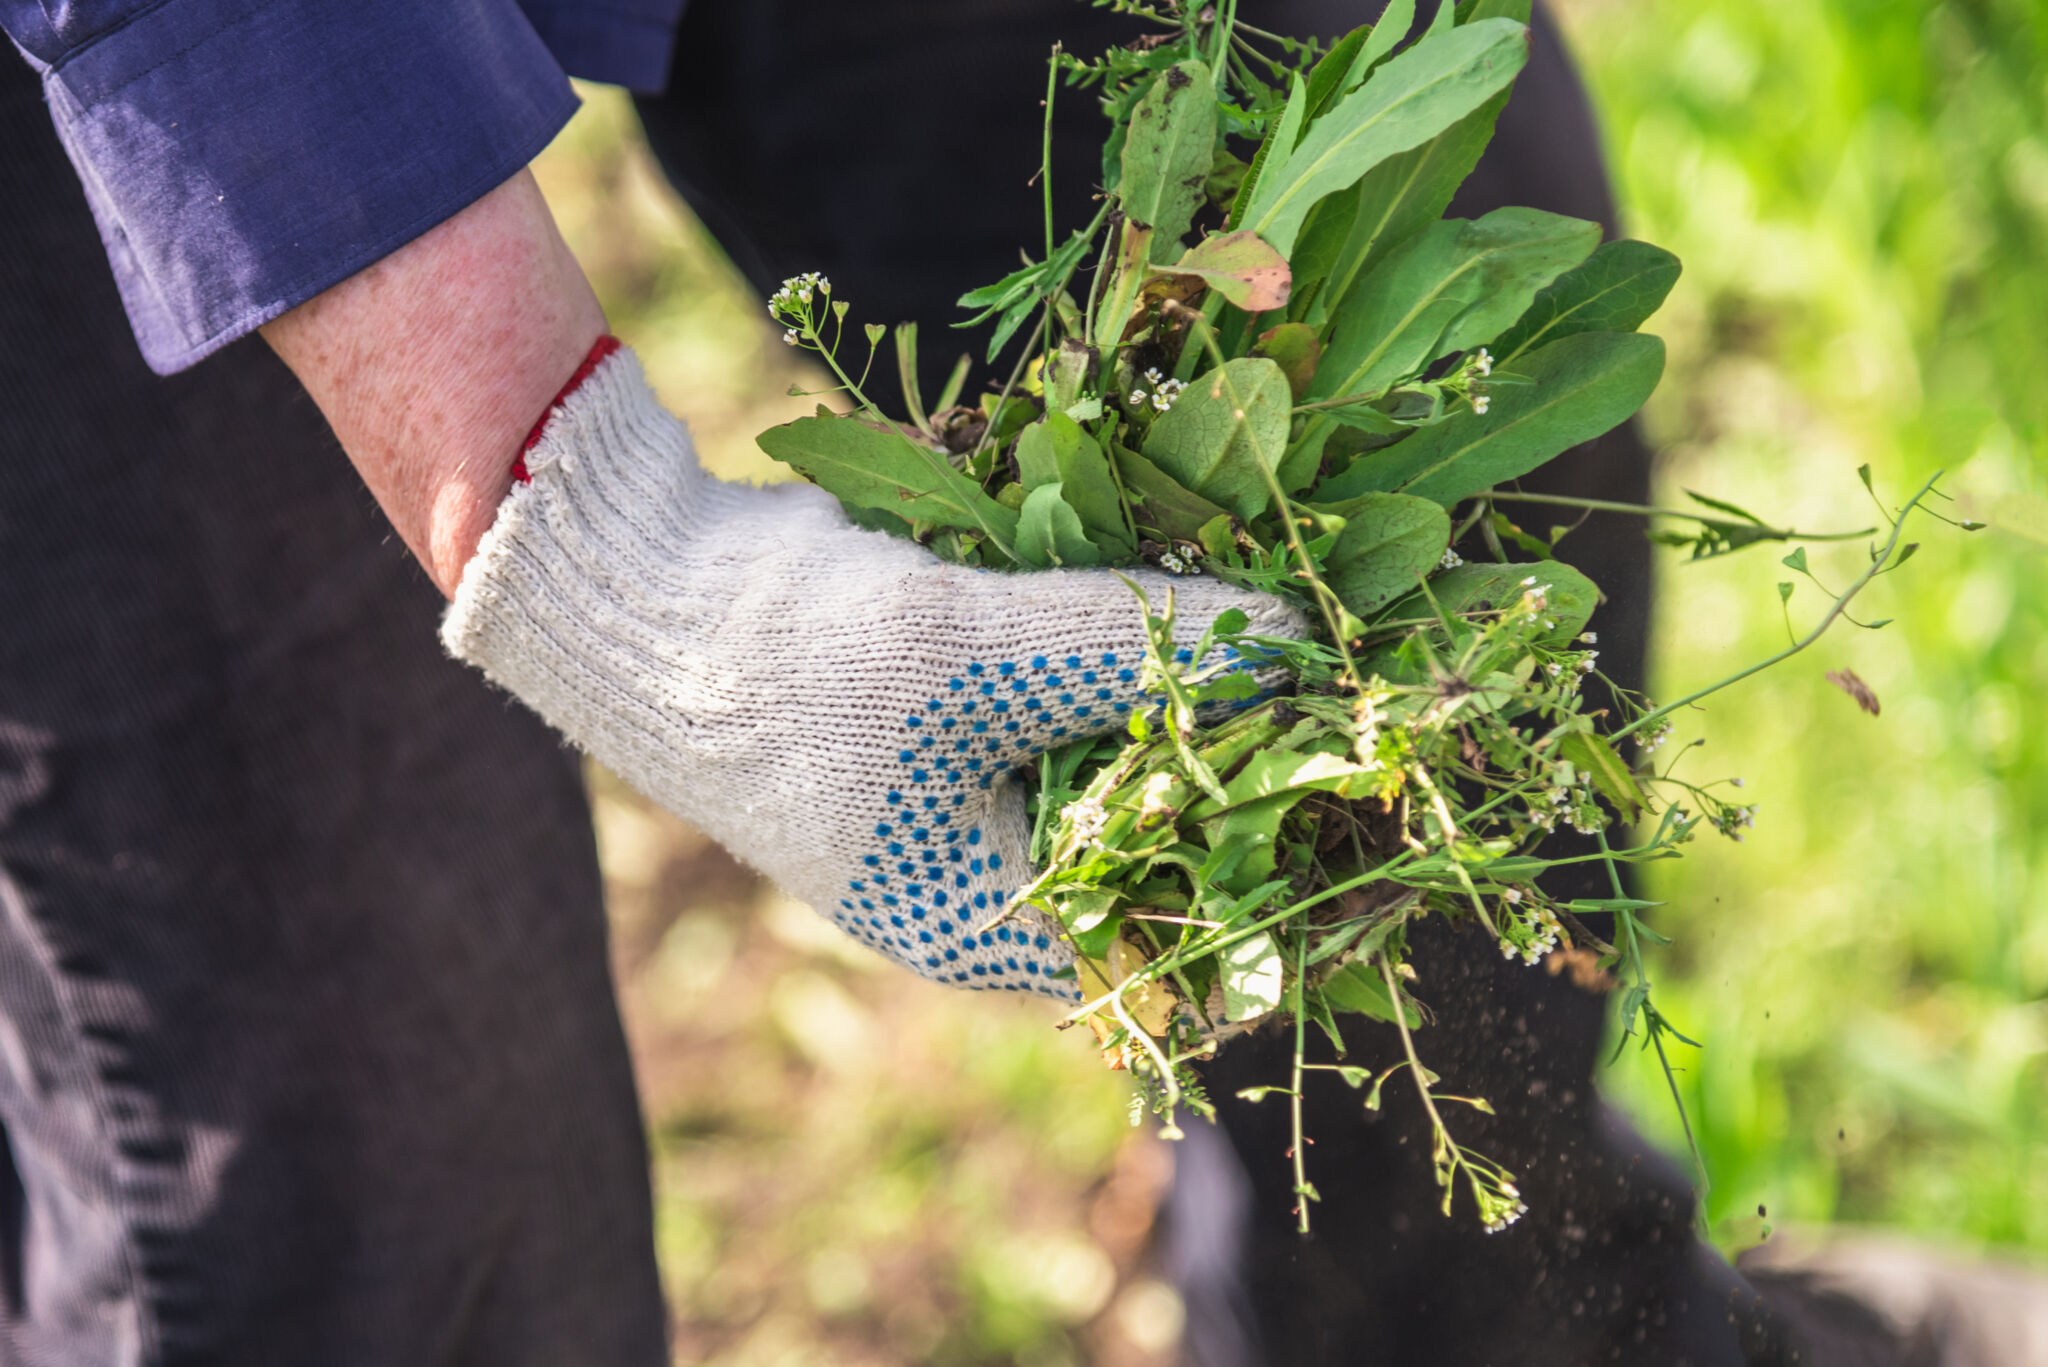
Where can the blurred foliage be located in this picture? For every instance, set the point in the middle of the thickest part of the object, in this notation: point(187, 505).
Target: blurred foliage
point(855, 1167)
point(1859, 190)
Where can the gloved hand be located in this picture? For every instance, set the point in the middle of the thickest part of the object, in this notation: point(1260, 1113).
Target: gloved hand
point(837, 707)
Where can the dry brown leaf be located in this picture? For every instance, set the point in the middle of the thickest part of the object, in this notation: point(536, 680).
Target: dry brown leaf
point(1846, 680)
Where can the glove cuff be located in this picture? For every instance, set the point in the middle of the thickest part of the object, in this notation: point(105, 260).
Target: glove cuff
point(599, 350)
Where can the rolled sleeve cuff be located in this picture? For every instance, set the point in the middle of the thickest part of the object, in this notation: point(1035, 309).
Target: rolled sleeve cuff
point(242, 157)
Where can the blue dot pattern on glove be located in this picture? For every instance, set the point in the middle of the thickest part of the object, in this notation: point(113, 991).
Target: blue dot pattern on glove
point(931, 879)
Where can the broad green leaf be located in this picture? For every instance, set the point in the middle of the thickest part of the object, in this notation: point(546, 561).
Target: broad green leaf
point(1168, 150)
point(1410, 100)
point(1333, 74)
point(1521, 251)
point(1351, 231)
point(1445, 16)
point(1581, 387)
point(1038, 460)
point(1084, 911)
point(1272, 773)
point(1227, 428)
point(1452, 285)
point(1164, 504)
point(1286, 133)
point(1570, 596)
point(1359, 987)
point(1389, 542)
point(1294, 348)
point(1393, 26)
point(1239, 267)
point(1251, 978)
point(1616, 289)
point(1472, 11)
point(1610, 775)
point(1057, 450)
point(1049, 532)
point(870, 468)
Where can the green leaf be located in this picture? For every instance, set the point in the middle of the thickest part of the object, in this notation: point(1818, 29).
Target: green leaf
point(1389, 541)
point(1483, 588)
point(1242, 841)
point(1049, 532)
point(1261, 1093)
point(1223, 428)
point(1251, 978)
point(1016, 295)
point(1168, 150)
point(1239, 267)
point(1164, 504)
point(1393, 26)
point(1581, 387)
point(1038, 460)
point(1452, 285)
point(1358, 987)
point(1332, 75)
point(1610, 775)
point(1616, 289)
point(1294, 348)
point(869, 468)
point(1410, 100)
point(1785, 587)
point(1084, 911)
point(1057, 450)
point(1094, 942)
point(1351, 231)
point(1796, 560)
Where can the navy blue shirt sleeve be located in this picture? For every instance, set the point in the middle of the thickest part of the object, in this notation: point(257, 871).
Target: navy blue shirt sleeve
point(619, 42)
point(243, 155)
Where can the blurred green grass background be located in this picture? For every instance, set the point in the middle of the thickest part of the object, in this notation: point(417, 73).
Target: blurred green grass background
point(854, 1167)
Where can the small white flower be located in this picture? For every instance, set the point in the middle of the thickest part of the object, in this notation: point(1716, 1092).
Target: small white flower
point(1529, 582)
point(789, 337)
point(1482, 363)
point(1137, 399)
point(1480, 403)
point(1506, 1217)
point(1087, 818)
point(1513, 894)
point(1451, 560)
point(1736, 781)
point(1587, 638)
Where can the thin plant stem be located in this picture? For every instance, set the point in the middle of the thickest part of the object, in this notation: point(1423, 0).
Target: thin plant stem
point(1601, 505)
point(1835, 609)
point(1302, 1189)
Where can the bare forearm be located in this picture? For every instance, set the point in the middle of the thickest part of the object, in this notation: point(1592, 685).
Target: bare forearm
point(432, 364)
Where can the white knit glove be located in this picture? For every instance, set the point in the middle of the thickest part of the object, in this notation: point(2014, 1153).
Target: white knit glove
point(837, 707)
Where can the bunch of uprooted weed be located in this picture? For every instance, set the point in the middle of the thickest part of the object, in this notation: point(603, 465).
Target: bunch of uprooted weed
point(1318, 399)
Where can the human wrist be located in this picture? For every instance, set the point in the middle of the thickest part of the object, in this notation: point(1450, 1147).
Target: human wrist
point(433, 364)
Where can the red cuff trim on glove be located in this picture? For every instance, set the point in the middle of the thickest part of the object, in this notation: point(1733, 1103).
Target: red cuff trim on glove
point(601, 348)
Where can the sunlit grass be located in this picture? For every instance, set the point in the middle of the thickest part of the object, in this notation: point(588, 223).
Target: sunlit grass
point(1858, 191)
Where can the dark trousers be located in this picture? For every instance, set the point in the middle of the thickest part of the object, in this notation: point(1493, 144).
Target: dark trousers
point(308, 1051)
